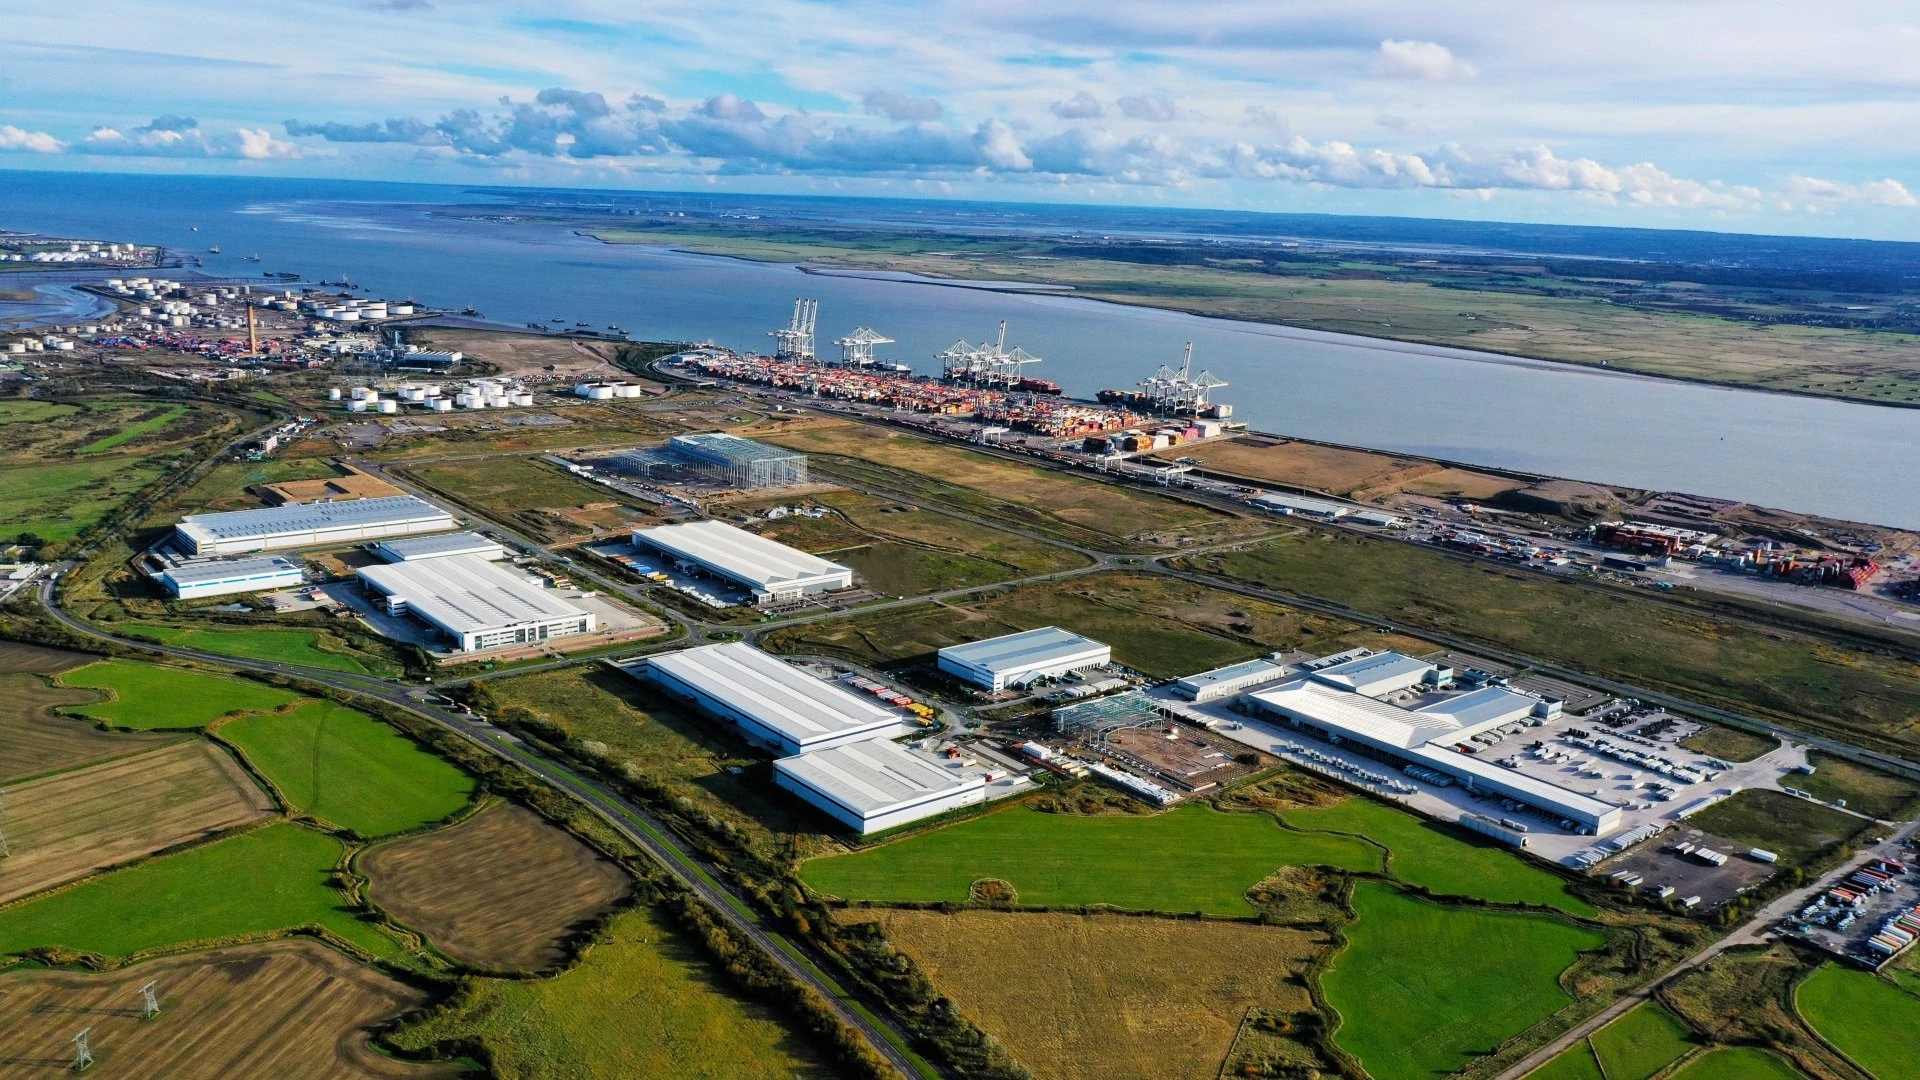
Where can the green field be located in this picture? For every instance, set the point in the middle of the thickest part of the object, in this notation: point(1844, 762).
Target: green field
point(1864, 698)
point(900, 521)
point(905, 570)
point(1190, 859)
point(18, 411)
point(1873, 1021)
point(348, 769)
point(1644, 1041)
point(136, 430)
point(1423, 989)
point(1869, 791)
point(1729, 744)
point(58, 501)
point(282, 646)
point(149, 696)
point(1738, 1063)
point(1794, 829)
point(644, 1003)
point(224, 487)
point(266, 880)
point(512, 488)
point(1442, 862)
point(1575, 1063)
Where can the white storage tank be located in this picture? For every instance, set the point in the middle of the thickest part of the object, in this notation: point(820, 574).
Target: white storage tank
point(357, 405)
point(523, 399)
point(441, 404)
point(389, 406)
point(333, 394)
point(360, 393)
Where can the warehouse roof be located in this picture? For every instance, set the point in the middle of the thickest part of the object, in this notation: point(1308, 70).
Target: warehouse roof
point(1029, 648)
point(732, 447)
point(199, 571)
point(874, 775)
point(466, 593)
point(1242, 670)
point(1491, 704)
point(1370, 669)
point(739, 553)
point(425, 547)
point(775, 693)
point(1348, 712)
point(304, 517)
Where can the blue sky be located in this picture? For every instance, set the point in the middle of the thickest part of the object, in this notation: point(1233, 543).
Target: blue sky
point(1748, 115)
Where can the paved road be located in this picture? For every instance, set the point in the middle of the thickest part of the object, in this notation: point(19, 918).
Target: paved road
point(647, 833)
point(1752, 932)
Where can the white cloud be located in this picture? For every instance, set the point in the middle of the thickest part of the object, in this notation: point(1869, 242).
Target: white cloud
point(32, 142)
point(1081, 106)
point(170, 135)
point(1158, 108)
point(1426, 60)
point(899, 107)
point(1813, 194)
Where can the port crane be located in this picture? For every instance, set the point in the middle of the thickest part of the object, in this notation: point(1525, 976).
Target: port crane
point(990, 364)
point(856, 349)
point(1180, 392)
point(795, 340)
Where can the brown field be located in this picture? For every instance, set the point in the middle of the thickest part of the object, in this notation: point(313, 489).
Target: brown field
point(17, 657)
point(351, 484)
point(498, 891)
point(1464, 483)
point(290, 1010)
point(1338, 471)
point(1108, 997)
point(528, 355)
point(73, 823)
point(38, 740)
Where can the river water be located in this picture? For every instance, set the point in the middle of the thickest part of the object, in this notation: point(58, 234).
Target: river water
point(1809, 455)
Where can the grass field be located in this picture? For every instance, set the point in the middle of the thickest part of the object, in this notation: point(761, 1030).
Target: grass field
point(21, 411)
point(1575, 1063)
point(68, 825)
point(645, 1003)
point(281, 646)
point(1159, 626)
point(499, 891)
point(889, 566)
point(148, 696)
point(1189, 859)
point(40, 740)
point(1442, 862)
point(1738, 1063)
point(1644, 1041)
point(266, 880)
point(1869, 791)
point(315, 1004)
point(224, 487)
point(1423, 989)
point(348, 769)
point(138, 429)
point(58, 501)
point(514, 489)
point(1730, 744)
point(1865, 699)
point(903, 522)
point(1124, 998)
point(1871, 1020)
point(1794, 829)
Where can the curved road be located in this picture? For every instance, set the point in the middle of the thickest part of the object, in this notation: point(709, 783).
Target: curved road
point(646, 833)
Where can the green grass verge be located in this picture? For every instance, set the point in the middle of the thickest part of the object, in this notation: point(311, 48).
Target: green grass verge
point(135, 430)
point(1864, 698)
point(57, 502)
point(1873, 1021)
point(280, 646)
point(346, 768)
point(1870, 791)
point(1190, 859)
point(1738, 1063)
point(262, 881)
point(1574, 1063)
point(1794, 829)
point(1443, 862)
point(1644, 1041)
point(149, 696)
point(18, 411)
point(644, 1002)
point(1423, 989)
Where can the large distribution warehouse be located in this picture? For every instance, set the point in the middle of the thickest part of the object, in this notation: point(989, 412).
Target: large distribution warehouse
point(772, 702)
point(476, 602)
point(221, 577)
point(1018, 659)
point(297, 525)
point(877, 784)
point(411, 548)
point(1335, 702)
point(772, 571)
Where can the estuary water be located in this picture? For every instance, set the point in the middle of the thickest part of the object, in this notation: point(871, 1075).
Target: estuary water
point(1809, 455)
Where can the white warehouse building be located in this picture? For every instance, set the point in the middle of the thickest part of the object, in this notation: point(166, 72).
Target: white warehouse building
point(296, 525)
point(877, 784)
point(1228, 681)
point(1017, 659)
point(772, 702)
point(414, 548)
point(222, 577)
point(477, 603)
point(772, 571)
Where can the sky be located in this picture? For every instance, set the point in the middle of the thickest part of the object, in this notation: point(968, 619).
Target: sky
point(1738, 115)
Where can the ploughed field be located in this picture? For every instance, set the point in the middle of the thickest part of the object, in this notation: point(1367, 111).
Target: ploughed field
point(499, 891)
point(290, 1010)
point(39, 740)
point(70, 824)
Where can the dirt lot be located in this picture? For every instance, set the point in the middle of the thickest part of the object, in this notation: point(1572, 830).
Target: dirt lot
point(38, 740)
point(1307, 465)
point(499, 891)
point(74, 823)
point(351, 484)
point(1190, 759)
point(291, 1010)
point(527, 355)
point(1108, 997)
